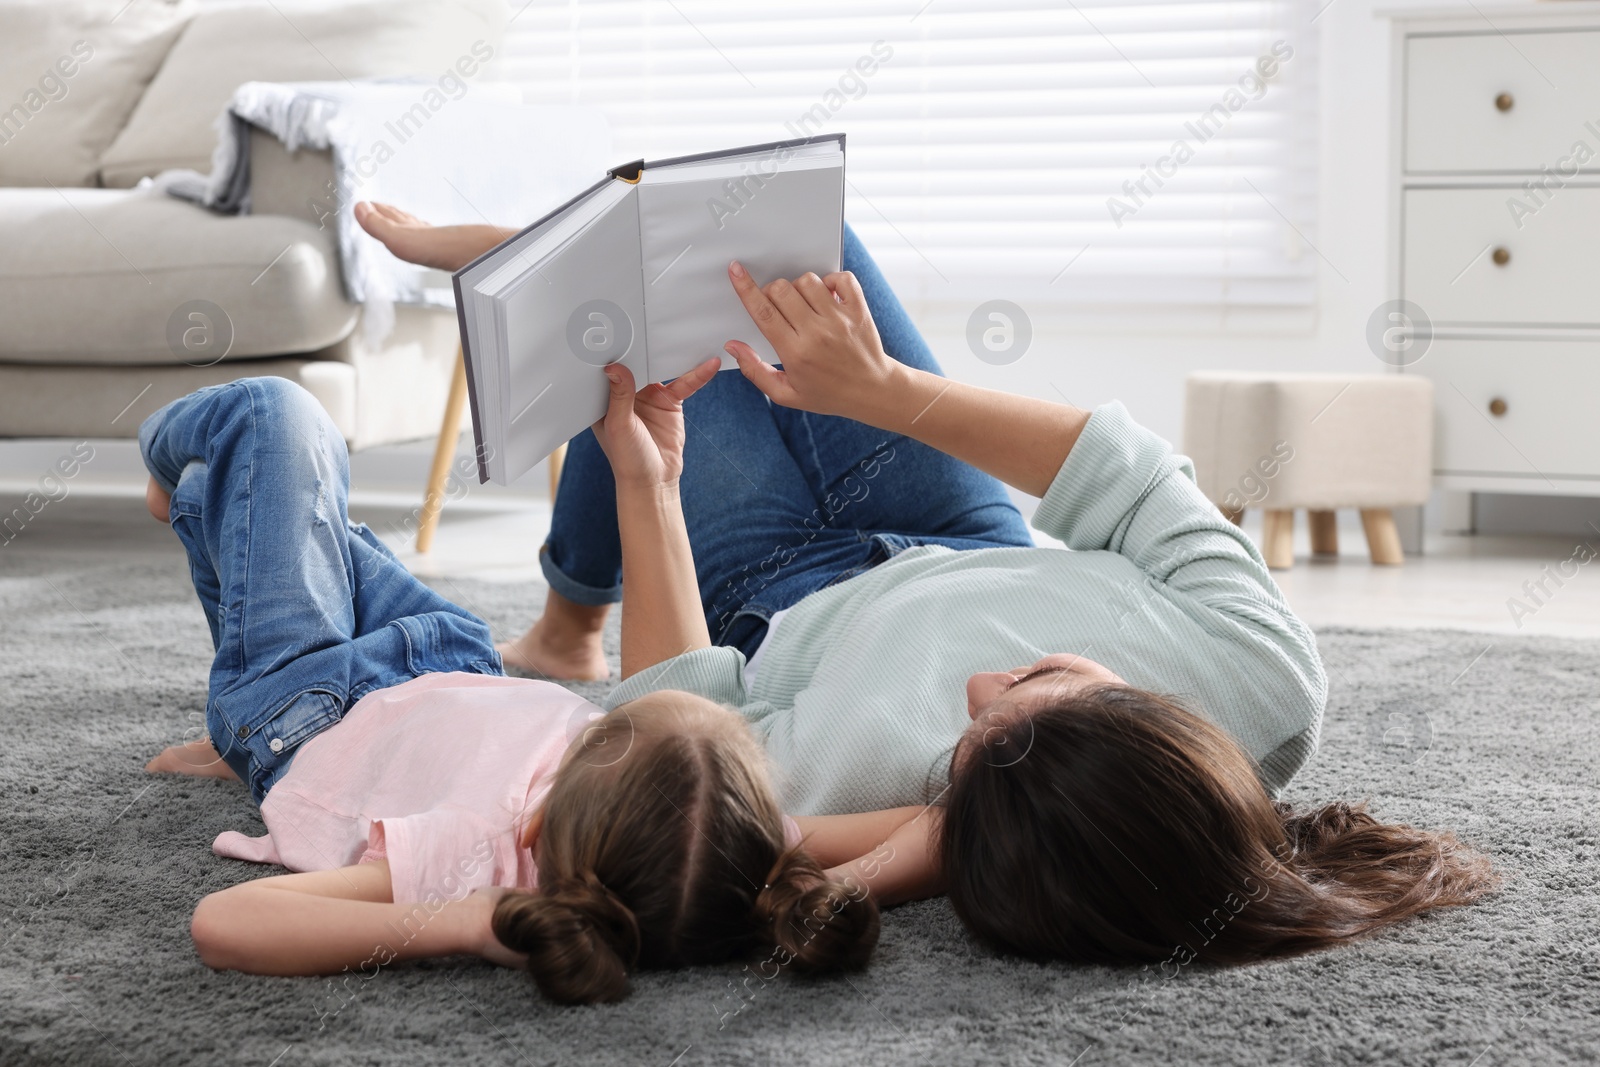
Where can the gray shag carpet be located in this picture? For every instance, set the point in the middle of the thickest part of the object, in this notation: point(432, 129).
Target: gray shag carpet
point(100, 865)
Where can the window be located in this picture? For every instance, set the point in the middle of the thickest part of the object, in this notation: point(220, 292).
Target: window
point(1102, 152)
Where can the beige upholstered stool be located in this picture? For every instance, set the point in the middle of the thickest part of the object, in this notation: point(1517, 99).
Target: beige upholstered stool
point(1314, 441)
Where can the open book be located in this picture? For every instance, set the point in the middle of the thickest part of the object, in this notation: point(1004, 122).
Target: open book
point(635, 270)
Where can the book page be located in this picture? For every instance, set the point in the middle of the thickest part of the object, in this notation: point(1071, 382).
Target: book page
point(779, 218)
point(480, 286)
point(580, 310)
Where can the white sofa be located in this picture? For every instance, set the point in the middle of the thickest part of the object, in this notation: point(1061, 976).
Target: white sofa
point(97, 279)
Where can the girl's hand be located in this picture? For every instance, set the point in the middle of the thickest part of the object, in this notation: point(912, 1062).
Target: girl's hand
point(642, 432)
point(822, 330)
point(479, 911)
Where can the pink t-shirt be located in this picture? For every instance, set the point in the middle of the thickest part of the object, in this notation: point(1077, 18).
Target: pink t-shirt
point(437, 775)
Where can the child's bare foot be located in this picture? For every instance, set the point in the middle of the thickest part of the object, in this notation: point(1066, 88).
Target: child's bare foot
point(563, 643)
point(197, 759)
point(159, 501)
point(441, 247)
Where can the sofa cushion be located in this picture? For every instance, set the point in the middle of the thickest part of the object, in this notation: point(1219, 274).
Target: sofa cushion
point(101, 276)
point(95, 402)
point(71, 72)
point(224, 47)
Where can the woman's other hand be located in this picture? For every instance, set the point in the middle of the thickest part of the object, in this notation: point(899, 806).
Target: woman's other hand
point(822, 330)
point(642, 432)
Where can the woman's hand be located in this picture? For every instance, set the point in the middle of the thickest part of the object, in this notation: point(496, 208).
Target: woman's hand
point(642, 432)
point(822, 330)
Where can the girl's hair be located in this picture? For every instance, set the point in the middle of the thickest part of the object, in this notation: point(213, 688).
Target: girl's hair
point(663, 846)
point(1112, 825)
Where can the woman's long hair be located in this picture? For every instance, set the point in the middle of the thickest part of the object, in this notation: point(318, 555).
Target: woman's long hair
point(662, 845)
point(1113, 825)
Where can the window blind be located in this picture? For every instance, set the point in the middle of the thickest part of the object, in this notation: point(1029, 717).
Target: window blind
point(1082, 151)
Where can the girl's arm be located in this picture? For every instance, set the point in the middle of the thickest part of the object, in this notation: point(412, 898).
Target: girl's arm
point(834, 364)
point(661, 616)
point(890, 852)
point(324, 922)
point(642, 435)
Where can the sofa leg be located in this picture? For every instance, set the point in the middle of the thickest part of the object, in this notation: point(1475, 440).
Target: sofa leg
point(443, 453)
point(556, 460)
point(1383, 538)
point(1277, 538)
point(1324, 532)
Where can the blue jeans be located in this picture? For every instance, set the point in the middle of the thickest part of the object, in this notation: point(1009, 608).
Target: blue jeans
point(781, 503)
point(309, 612)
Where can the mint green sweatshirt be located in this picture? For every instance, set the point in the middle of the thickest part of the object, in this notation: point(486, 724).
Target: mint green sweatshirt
point(861, 694)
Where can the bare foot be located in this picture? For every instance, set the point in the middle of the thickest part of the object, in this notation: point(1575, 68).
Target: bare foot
point(409, 238)
point(563, 643)
point(159, 501)
point(197, 759)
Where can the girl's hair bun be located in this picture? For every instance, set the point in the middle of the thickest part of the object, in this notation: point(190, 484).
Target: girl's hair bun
point(816, 925)
point(580, 940)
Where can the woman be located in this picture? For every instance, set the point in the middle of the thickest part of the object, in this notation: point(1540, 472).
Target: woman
point(869, 587)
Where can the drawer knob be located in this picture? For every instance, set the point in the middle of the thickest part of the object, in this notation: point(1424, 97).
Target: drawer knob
point(1504, 101)
point(1501, 256)
point(1497, 407)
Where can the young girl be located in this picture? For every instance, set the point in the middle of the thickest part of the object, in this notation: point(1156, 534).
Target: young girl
point(401, 772)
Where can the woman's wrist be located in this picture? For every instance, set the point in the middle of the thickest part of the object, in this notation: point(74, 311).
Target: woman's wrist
point(899, 400)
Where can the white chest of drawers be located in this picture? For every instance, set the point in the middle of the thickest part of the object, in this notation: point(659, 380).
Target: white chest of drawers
point(1495, 237)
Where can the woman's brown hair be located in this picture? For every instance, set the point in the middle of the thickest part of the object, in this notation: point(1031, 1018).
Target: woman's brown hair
point(662, 845)
point(1113, 825)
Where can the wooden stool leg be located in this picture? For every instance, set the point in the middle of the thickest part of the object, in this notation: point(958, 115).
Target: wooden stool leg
point(1324, 532)
point(1277, 538)
point(1383, 538)
point(443, 453)
point(1235, 517)
point(557, 459)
